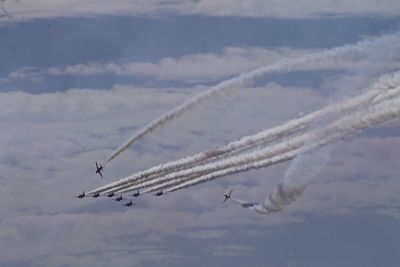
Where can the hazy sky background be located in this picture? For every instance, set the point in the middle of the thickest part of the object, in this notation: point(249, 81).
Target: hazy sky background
point(77, 78)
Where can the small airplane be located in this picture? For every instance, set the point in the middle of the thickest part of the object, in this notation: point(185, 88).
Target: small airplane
point(96, 195)
point(99, 168)
point(227, 196)
point(81, 195)
point(136, 194)
point(111, 194)
point(119, 198)
point(129, 203)
point(159, 193)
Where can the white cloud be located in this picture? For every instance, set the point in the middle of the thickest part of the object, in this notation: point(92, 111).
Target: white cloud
point(49, 142)
point(213, 66)
point(296, 9)
point(243, 8)
point(206, 66)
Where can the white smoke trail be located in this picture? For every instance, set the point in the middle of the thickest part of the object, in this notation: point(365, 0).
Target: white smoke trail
point(300, 166)
point(267, 152)
point(280, 66)
point(346, 126)
point(379, 91)
point(296, 179)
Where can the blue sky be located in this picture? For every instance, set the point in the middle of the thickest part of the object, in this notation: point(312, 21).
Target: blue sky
point(77, 79)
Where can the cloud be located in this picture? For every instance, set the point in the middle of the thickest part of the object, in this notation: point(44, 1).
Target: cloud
point(208, 67)
point(231, 61)
point(50, 141)
point(240, 8)
point(192, 67)
point(297, 9)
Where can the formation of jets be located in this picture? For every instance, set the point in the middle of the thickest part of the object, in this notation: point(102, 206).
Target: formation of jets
point(99, 169)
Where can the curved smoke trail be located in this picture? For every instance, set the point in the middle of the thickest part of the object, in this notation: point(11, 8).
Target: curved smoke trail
point(245, 78)
point(344, 127)
point(295, 181)
point(381, 91)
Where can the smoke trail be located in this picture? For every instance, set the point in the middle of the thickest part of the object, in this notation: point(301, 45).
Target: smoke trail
point(381, 90)
point(267, 152)
point(346, 126)
point(283, 65)
point(296, 179)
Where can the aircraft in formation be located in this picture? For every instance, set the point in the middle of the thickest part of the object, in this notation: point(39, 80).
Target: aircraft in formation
point(137, 193)
point(129, 203)
point(159, 193)
point(99, 169)
point(95, 195)
point(227, 196)
point(81, 195)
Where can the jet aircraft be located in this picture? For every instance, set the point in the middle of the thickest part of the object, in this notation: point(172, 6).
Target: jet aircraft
point(81, 195)
point(99, 168)
point(227, 196)
point(129, 203)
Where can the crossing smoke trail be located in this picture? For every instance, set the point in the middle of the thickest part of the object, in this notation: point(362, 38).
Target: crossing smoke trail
point(344, 127)
point(385, 83)
point(381, 90)
point(300, 173)
point(245, 78)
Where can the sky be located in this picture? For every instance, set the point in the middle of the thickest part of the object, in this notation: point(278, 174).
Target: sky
point(77, 78)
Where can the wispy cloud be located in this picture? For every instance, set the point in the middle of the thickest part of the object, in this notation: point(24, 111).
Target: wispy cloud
point(208, 66)
point(241, 8)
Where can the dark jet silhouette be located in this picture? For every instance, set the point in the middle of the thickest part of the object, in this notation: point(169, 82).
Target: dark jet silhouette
point(111, 194)
point(96, 195)
point(119, 198)
point(129, 204)
point(227, 196)
point(81, 195)
point(159, 193)
point(136, 194)
point(99, 168)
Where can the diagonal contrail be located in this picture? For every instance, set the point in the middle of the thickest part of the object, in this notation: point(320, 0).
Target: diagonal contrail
point(380, 91)
point(245, 78)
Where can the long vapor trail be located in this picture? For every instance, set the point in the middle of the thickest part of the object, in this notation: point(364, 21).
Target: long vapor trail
point(344, 127)
point(381, 90)
point(245, 78)
point(263, 157)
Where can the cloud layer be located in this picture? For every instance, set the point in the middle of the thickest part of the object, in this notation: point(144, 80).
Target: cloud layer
point(19, 10)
